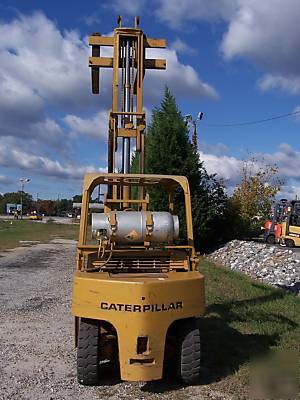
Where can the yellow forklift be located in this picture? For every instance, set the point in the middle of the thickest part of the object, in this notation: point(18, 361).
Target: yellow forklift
point(137, 293)
point(290, 227)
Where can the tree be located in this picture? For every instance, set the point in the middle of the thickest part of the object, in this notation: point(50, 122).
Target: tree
point(77, 198)
point(46, 207)
point(2, 205)
point(257, 190)
point(63, 205)
point(15, 198)
point(169, 151)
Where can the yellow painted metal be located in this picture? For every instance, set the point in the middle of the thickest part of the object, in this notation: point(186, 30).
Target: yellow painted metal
point(139, 306)
point(139, 43)
point(97, 40)
point(135, 303)
point(292, 232)
point(108, 62)
point(169, 182)
point(102, 62)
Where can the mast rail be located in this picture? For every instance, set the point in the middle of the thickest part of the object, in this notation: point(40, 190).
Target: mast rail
point(138, 114)
point(127, 201)
point(98, 40)
point(108, 62)
point(127, 119)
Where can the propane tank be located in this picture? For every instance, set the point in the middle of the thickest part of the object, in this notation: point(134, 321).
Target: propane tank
point(132, 227)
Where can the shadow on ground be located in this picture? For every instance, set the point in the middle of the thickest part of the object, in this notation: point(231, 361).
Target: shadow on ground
point(225, 349)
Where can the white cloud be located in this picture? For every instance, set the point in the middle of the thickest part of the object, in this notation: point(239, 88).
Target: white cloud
point(265, 33)
point(181, 47)
point(42, 67)
point(4, 180)
point(297, 110)
point(177, 13)
point(228, 168)
point(182, 79)
point(96, 126)
point(287, 84)
point(44, 73)
point(284, 158)
point(218, 149)
point(92, 19)
point(18, 159)
point(289, 192)
point(18, 99)
point(43, 62)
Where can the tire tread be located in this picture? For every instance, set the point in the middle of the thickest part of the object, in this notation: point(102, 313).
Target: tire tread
point(189, 353)
point(88, 352)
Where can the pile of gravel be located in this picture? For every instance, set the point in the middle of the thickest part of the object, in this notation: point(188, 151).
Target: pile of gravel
point(271, 264)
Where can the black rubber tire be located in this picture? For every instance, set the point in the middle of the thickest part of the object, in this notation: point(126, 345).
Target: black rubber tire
point(270, 239)
point(289, 243)
point(189, 363)
point(88, 352)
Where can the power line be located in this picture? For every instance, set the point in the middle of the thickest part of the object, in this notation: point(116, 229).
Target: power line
point(259, 121)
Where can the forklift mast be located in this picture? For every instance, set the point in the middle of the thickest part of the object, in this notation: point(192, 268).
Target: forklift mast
point(127, 120)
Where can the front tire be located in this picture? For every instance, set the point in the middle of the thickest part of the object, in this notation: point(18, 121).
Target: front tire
point(88, 352)
point(189, 352)
point(290, 243)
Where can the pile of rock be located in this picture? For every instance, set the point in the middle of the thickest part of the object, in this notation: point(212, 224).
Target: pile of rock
point(275, 265)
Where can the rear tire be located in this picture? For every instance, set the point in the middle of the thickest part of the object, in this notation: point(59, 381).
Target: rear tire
point(271, 239)
point(88, 352)
point(189, 352)
point(289, 243)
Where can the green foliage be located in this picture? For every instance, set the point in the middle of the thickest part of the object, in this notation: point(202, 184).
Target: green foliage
point(14, 233)
point(53, 207)
point(77, 198)
point(134, 167)
point(47, 207)
point(257, 190)
point(169, 151)
point(253, 320)
point(231, 224)
point(63, 205)
point(15, 197)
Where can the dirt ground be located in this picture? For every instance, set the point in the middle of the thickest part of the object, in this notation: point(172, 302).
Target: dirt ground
point(37, 355)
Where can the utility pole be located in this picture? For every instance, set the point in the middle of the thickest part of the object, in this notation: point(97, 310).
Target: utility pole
point(189, 119)
point(194, 137)
point(22, 181)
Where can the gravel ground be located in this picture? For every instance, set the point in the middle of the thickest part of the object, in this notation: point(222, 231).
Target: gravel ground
point(277, 266)
point(37, 355)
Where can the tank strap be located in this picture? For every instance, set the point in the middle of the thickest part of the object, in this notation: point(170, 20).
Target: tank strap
point(149, 227)
point(113, 222)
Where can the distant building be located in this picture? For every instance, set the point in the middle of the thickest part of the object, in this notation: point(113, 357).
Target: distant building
point(11, 208)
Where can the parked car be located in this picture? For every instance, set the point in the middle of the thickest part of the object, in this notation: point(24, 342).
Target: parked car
point(35, 217)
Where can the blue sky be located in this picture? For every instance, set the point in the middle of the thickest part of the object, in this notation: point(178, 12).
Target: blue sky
point(235, 60)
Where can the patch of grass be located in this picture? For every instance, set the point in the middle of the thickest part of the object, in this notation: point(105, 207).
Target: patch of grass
point(12, 232)
point(245, 321)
